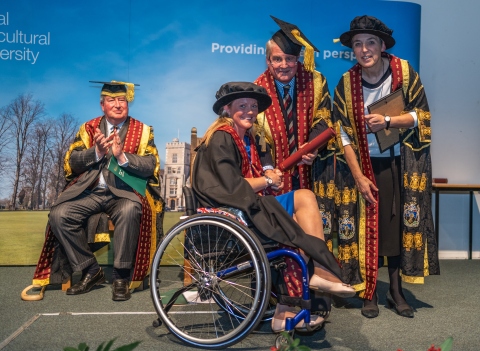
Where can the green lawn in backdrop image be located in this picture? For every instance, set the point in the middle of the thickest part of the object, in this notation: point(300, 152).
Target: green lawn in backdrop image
point(22, 235)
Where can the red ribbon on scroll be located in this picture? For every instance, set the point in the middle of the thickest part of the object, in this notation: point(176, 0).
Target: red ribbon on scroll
point(317, 143)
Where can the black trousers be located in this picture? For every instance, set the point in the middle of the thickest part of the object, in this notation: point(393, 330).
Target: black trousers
point(389, 225)
point(68, 222)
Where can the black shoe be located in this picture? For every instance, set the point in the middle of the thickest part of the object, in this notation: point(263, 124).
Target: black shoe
point(370, 310)
point(404, 309)
point(87, 283)
point(120, 291)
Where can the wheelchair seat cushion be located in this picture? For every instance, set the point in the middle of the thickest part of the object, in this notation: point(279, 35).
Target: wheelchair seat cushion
point(229, 212)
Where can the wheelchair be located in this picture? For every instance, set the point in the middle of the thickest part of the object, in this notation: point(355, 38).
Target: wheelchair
point(210, 278)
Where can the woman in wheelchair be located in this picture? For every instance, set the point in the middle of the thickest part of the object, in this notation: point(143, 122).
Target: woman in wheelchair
point(227, 172)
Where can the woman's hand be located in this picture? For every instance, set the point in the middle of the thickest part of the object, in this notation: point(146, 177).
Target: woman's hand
point(366, 188)
point(375, 122)
point(277, 177)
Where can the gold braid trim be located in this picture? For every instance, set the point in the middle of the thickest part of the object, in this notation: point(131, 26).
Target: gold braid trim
point(426, 272)
point(424, 118)
point(318, 85)
point(348, 102)
point(416, 149)
point(327, 155)
point(360, 287)
point(82, 133)
point(102, 238)
point(405, 77)
point(263, 129)
point(411, 94)
point(41, 282)
point(349, 109)
point(337, 140)
point(144, 138)
point(413, 280)
point(361, 238)
point(154, 207)
point(134, 284)
point(323, 113)
point(153, 239)
point(145, 149)
point(348, 130)
point(343, 111)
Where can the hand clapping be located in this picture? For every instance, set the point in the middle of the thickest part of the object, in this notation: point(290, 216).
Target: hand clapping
point(103, 144)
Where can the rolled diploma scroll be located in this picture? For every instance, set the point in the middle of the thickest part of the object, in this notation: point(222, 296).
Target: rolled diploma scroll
point(317, 143)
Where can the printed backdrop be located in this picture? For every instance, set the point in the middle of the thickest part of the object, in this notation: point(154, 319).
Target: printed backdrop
point(179, 52)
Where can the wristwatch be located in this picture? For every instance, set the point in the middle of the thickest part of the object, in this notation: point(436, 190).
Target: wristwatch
point(387, 119)
point(269, 181)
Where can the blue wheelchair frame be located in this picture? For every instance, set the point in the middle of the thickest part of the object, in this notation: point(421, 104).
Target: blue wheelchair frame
point(304, 313)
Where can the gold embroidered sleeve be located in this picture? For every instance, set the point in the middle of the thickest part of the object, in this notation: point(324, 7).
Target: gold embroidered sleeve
point(416, 101)
point(81, 140)
point(424, 125)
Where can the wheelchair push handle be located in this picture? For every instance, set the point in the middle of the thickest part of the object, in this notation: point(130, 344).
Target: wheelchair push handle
point(190, 206)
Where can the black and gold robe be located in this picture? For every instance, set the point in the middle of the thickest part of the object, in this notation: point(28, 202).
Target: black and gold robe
point(358, 241)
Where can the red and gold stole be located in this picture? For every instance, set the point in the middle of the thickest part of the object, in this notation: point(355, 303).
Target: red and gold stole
point(251, 168)
point(371, 210)
point(134, 143)
point(305, 113)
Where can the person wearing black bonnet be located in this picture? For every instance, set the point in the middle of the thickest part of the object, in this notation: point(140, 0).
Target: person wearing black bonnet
point(388, 207)
point(227, 172)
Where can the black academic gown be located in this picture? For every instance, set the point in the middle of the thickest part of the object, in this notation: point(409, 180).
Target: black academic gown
point(217, 181)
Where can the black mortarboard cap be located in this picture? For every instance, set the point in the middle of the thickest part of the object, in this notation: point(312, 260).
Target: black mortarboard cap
point(290, 39)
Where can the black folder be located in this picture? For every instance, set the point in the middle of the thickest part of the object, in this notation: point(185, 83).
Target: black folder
point(391, 105)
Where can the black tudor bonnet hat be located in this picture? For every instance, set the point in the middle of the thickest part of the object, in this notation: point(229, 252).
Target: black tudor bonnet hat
point(236, 90)
point(371, 25)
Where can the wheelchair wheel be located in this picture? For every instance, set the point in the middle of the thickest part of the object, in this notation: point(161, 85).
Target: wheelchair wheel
point(237, 309)
point(201, 281)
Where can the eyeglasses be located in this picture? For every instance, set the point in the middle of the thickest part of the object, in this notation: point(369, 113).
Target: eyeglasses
point(290, 61)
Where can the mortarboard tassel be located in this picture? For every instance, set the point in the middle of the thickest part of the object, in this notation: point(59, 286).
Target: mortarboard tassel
point(308, 58)
point(130, 90)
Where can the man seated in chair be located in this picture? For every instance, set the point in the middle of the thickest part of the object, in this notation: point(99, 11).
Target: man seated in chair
point(112, 167)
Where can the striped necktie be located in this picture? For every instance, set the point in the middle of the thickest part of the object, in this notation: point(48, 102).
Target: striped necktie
point(288, 104)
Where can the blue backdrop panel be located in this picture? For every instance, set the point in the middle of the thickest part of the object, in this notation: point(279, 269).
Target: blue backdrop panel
point(179, 52)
